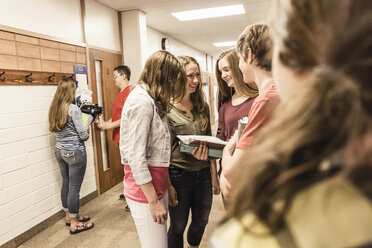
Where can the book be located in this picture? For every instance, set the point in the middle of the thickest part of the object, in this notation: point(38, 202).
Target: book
point(241, 126)
point(87, 119)
point(210, 141)
point(212, 152)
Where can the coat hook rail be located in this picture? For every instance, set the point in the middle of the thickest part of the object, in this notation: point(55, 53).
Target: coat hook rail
point(28, 78)
point(2, 77)
point(51, 77)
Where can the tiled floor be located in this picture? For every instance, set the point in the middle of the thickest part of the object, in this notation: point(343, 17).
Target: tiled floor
point(113, 226)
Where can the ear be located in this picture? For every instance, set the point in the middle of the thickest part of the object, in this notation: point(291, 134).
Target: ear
point(251, 56)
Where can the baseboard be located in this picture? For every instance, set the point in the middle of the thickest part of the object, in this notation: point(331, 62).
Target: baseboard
point(22, 238)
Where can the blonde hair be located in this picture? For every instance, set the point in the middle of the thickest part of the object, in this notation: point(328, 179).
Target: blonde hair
point(224, 91)
point(58, 110)
point(165, 79)
point(256, 38)
point(198, 97)
point(332, 112)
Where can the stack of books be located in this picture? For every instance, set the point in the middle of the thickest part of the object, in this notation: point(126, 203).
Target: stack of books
point(214, 144)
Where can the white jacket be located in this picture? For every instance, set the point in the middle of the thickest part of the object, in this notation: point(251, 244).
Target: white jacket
point(144, 136)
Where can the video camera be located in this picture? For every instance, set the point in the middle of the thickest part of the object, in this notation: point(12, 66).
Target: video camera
point(83, 99)
point(88, 107)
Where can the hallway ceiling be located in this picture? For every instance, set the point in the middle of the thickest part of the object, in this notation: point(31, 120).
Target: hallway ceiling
point(199, 34)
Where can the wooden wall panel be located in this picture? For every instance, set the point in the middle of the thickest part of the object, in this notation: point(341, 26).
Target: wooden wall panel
point(67, 56)
point(8, 62)
point(27, 50)
point(49, 53)
point(26, 39)
point(48, 43)
point(7, 47)
point(67, 67)
point(50, 66)
point(29, 64)
point(6, 35)
point(80, 49)
point(66, 47)
point(80, 58)
point(23, 54)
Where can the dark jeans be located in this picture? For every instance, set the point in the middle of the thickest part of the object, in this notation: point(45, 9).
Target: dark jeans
point(194, 191)
point(72, 165)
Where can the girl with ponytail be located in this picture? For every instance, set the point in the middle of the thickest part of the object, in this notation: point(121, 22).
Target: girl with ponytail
point(307, 182)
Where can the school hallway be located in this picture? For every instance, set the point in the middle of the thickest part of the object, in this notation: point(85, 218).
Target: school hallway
point(113, 226)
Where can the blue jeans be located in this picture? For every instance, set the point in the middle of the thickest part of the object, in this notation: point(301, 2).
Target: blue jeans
point(72, 165)
point(194, 191)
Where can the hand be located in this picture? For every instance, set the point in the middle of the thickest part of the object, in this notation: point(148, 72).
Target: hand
point(200, 153)
point(230, 147)
point(102, 125)
point(159, 215)
point(87, 128)
point(172, 196)
point(215, 185)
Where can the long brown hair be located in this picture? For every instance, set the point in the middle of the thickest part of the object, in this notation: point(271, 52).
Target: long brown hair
point(224, 91)
point(198, 97)
point(334, 110)
point(165, 78)
point(58, 110)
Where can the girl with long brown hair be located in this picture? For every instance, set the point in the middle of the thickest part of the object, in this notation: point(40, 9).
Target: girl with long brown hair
point(192, 176)
point(66, 121)
point(235, 97)
point(145, 145)
point(309, 182)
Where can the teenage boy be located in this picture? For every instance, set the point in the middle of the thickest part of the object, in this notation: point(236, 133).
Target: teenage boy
point(254, 48)
point(122, 81)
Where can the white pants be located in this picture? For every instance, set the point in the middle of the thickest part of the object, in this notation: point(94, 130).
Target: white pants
point(151, 234)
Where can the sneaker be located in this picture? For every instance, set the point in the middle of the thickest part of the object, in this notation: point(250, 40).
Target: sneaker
point(121, 197)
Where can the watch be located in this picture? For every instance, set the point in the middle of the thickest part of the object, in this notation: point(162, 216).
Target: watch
point(165, 44)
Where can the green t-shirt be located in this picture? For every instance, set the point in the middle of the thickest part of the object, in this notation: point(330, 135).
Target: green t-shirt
point(182, 124)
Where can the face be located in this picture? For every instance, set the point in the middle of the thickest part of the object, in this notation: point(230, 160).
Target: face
point(118, 78)
point(245, 68)
point(226, 73)
point(286, 80)
point(193, 74)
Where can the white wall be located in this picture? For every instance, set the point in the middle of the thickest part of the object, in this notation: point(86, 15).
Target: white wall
point(102, 26)
point(30, 179)
point(57, 18)
point(176, 47)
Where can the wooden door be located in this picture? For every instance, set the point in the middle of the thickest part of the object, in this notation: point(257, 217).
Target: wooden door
point(102, 64)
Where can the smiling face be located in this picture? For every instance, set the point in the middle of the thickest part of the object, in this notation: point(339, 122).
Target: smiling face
point(226, 73)
point(193, 75)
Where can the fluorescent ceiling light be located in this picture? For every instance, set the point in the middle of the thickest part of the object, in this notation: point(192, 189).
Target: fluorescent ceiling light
point(225, 44)
point(210, 12)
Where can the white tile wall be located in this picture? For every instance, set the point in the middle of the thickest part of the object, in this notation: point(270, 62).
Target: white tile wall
point(30, 180)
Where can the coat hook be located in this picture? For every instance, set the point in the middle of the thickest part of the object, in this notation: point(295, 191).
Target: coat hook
point(51, 78)
point(2, 77)
point(28, 78)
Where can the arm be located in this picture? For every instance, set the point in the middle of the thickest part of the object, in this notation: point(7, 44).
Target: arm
point(231, 159)
point(108, 124)
point(75, 114)
point(215, 182)
point(158, 212)
point(221, 123)
point(172, 194)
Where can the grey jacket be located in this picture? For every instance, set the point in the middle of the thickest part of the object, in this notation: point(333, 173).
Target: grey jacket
point(74, 133)
point(144, 136)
